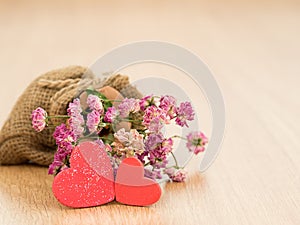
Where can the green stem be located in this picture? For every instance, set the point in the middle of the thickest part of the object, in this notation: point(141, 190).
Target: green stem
point(176, 167)
point(177, 136)
point(106, 139)
point(176, 162)
point(107, 100)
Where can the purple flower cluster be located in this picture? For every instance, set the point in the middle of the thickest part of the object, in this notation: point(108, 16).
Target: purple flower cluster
point(148, 143)
point(158, 114)
point(66, 135)
point(95, 116)
point(76, 121)
point(128, 105)
point(184, 113)
point(153, 173)
point(168, 104)
point(146, 102)
point(155, 125)
point(95, 104)
point(65, 141)
point(157, 149)
point(154, 118)
point(93, 120)
point(156, 171)
point(111, 115)
point(176, 175)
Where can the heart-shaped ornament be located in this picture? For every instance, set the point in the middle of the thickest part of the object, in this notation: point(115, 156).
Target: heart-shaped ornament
point(132, 188)
point(89, 181)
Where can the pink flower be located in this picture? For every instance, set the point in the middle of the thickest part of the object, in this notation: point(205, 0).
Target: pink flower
point(153, 112)
point(93, 120)
point(65, 140)
point(76, 124)
point(179, 176)
point(94, 103)
point(59, 163)
point(176, 175)
point(153, 141)
point(54, 166)
point(153, 174)
point(39, 119)
point(146, 101)
point(128, 105)
point(122, 136)
point(136, 141)
point(157, 148)
point(131, 141)
point(74, 107)
point(184, 112)
point(167, 145)
point(64, 137)
point(161, 164)
point(155, 125)
point(111, 115)
point(196, 142)
point(168, 104)
point(76, 121)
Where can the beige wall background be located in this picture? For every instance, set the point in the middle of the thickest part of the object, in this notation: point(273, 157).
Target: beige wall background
point(252, 47)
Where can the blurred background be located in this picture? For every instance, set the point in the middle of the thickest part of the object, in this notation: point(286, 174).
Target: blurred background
point(249, 40)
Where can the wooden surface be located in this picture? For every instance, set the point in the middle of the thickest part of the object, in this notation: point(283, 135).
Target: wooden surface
point(254, 51)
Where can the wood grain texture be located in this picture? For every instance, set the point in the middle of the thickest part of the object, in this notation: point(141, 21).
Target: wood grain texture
point(253, 49)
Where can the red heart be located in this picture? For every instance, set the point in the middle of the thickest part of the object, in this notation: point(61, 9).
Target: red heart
point(89, 181)
point(132, 188)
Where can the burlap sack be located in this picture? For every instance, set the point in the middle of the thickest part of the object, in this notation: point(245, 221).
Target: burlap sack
point(19, 142)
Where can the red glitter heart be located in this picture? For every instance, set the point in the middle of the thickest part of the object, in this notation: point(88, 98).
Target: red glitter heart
point(132, 188)
point(89, 181)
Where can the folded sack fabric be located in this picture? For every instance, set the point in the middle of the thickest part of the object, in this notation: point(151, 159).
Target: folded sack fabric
point(19, 142)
